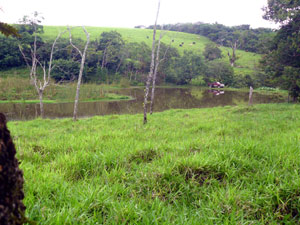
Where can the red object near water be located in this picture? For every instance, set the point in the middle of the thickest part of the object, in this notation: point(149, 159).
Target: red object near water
point(216, 85)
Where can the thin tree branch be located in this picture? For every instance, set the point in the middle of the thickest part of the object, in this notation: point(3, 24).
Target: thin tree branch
point(24, 57)
point(74, 46)
point(51, 55)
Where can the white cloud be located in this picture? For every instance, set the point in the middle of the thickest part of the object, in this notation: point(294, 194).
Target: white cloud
point(128, 13)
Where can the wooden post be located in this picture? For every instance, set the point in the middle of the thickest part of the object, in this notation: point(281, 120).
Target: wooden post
point(251, 96)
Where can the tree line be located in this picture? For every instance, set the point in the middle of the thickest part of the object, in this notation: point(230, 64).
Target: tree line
point(247, 38)
point(111, 59)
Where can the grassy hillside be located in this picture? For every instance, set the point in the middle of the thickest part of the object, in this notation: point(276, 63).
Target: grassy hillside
point(227, 165)
point(245, 64)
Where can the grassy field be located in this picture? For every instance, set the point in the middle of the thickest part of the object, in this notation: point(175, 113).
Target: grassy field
point(245, 63)
point(19, 89)
point(230, 165)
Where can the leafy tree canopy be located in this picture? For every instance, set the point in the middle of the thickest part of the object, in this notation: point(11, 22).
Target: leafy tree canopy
point(186, 67)
point(111, 38)
point(219, 70)
point(283, 61)
point(212, 52)
point(282, 11)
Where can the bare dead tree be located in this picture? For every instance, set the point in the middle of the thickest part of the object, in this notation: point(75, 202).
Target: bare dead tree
point(157, 62)
point(150, 75)
point(40, 85)
point(155, 72)
point(83, 56)
point(233, 57)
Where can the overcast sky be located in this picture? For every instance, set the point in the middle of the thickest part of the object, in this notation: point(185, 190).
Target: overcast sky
point(129, 13)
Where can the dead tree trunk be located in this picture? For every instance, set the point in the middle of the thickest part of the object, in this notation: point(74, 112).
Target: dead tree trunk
point(233, 57)
point(150, 75)
point(83, 56)
point(157, 62)
point(155, 74)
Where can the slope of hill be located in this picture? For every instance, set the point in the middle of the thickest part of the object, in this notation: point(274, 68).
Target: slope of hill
point(191, 42)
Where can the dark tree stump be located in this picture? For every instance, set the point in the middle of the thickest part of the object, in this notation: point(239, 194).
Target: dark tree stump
point(12, 209)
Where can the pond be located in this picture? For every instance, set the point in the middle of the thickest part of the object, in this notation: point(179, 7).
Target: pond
point(166, 98)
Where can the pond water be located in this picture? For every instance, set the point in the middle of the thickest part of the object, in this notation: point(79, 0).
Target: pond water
point(166, 98)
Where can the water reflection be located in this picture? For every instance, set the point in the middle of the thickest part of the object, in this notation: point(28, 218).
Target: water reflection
point(166, 98)
point(216, 92)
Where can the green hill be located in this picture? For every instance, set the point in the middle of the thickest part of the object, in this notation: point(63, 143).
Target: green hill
point(245, 64)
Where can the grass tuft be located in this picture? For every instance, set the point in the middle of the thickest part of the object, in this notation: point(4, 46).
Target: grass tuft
point(144, 156)
point(202, 175)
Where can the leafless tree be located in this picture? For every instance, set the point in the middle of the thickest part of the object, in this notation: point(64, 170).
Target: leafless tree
point(83, 56)
point(39, 84)
point(155, 72)
point(150, 75)
point(157, 62)
point(233, 57)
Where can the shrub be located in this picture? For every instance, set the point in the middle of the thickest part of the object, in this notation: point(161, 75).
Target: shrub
point(218, 70)
point(212, 52)
point(66, 70)
point(198, 81)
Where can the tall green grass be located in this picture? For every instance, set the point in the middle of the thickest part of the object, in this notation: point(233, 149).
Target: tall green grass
point(22, 72)
point(230, 165)
point(18, 89)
